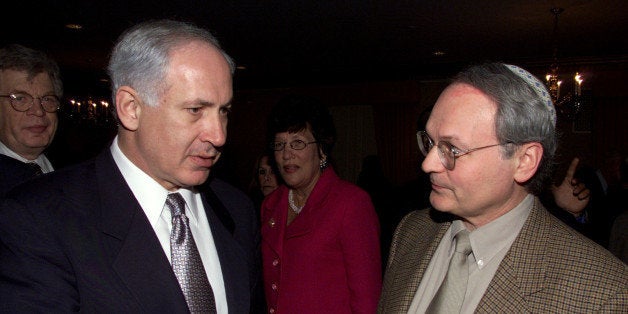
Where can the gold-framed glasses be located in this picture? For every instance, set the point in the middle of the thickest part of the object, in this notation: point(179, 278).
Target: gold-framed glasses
point(23, 102)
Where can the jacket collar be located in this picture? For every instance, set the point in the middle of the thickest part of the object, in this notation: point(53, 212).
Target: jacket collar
point(138, 259)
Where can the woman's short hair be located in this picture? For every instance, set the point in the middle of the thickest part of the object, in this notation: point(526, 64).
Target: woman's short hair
point(295, 113)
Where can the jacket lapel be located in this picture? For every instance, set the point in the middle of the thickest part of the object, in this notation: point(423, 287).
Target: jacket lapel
point(274, 219)
point(315, 206)
point(138, 257)
point(402, 284)
point(527, 252)
point(233, 259)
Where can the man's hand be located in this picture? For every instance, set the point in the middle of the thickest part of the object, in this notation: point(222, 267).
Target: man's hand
point(571, 195)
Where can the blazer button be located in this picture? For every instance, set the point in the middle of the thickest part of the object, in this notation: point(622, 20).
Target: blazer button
point(273, 286)
point(275, 262)
point(272, 310)
point(271, 222)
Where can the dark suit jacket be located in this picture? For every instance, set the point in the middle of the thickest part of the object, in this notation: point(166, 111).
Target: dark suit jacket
point(12, 173)
point(78, 240)
point(549, 268)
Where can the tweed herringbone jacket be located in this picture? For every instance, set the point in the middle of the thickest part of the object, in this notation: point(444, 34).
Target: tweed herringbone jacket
point(550, 268)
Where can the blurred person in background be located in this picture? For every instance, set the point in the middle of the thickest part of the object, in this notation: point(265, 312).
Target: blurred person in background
point(264, 181)
point(30, 89)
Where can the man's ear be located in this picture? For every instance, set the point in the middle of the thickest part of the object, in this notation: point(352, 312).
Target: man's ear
point(128, 107)
point(529, 157)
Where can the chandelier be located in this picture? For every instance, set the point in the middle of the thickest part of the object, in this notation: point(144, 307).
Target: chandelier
point(88, 110)
point(568, 104)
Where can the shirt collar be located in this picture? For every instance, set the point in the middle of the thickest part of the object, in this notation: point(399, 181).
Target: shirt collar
point(41, 160)
point(150, 194)
point(488, 240)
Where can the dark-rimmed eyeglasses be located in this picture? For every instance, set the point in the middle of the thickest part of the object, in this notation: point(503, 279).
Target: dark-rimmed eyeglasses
point(23, 102)
point(447, 152)
point(263, 171)
point(296, 145)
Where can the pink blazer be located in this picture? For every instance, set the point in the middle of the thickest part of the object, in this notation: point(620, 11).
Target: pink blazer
point(328, 259)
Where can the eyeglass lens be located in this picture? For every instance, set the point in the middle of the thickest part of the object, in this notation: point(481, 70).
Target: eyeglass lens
point(445, 152)
point(296, 145)
point(23, 102)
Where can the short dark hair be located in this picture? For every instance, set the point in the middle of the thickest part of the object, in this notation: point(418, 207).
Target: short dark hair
point(33, 62)
point(295, 113)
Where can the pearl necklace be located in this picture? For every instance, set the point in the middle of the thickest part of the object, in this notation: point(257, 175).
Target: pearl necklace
point(293, 206)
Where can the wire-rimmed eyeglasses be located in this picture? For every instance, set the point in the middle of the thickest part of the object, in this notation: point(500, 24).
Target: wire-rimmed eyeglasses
point(264, 171)
point(447, 152)
point(296, 145)
point(23, 102)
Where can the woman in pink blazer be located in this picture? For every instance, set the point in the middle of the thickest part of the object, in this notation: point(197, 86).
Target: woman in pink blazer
point(320, 234)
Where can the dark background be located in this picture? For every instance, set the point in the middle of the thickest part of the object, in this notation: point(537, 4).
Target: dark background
point(353, 54)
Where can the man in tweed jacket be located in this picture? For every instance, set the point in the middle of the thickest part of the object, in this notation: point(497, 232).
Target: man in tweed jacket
point(493, 130)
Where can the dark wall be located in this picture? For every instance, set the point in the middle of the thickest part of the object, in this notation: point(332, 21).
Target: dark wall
point(396, 107)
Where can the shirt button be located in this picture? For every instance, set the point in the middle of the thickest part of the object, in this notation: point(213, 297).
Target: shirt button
point(275, 262)
point(273, 286)
point(271, 222)
point(272, 310)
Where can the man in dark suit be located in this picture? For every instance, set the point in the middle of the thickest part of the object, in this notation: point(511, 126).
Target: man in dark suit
point(110, 235)
point(488, 245)
point(30, 88)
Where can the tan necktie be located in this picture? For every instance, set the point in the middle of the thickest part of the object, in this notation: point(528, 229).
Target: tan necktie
point(450, 295)
point(186, 261)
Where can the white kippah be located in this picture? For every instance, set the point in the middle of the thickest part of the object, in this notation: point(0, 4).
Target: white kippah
point(537, 86)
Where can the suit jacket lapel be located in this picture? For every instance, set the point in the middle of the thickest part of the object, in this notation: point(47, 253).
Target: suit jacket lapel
point(233, 259)
point(139, 258)
point(274, 220)
point(511, 278)
point(315, 206)
point(402, 285)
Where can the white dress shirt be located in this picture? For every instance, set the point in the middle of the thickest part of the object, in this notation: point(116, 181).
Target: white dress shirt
point(41, 160)
point(152, 198)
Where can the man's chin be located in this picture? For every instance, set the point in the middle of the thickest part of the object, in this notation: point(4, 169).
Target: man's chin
point(440, 204)
point(195, 178)
point(37, 141)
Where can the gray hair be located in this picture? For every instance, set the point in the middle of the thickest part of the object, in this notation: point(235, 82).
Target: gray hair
point(523, 114)
point(141, 56)
point(33, 62)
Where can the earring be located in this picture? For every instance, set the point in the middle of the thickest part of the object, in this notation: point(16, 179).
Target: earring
point(323, 163)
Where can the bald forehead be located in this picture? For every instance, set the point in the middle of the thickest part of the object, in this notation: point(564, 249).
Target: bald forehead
point(460, 107)
point(460, 89)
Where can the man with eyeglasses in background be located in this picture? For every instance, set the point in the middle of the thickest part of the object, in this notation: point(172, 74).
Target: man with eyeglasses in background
point(30, 88)
point(488, 245)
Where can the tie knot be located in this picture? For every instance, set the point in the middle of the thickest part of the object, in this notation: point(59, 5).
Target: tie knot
point(176, 203)
point(463, 244)
point(36, 168)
